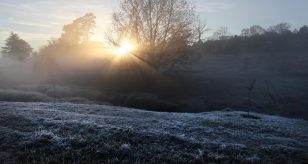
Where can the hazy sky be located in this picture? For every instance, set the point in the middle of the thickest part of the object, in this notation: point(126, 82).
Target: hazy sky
point(37, 21)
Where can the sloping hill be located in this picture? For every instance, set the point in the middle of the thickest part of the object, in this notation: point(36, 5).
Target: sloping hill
point(67, 133)
point(281, 80)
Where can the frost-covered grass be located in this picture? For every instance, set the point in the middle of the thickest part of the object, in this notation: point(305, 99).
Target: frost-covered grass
point(72, 133)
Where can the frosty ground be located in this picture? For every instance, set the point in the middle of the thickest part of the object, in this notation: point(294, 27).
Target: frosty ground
point(75, 133)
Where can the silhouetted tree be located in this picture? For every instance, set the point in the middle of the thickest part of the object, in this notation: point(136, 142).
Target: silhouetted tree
point(73, 35)
point(221, 33)
point(80, 30)
point(245, 32)
point(161, 29)
point(69, 48)
point(200, 29)
point(16, 48)
point(303, 30)
point(280, 28)
point(253, 30)
point(257, 30)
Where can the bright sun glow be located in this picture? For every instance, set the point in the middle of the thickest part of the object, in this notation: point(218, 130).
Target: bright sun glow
point(125, 48)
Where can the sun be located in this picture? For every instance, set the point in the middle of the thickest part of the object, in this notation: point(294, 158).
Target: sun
point(125, 48)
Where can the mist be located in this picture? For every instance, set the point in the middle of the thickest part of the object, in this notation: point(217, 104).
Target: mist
point(216, 76)
point(160, 86)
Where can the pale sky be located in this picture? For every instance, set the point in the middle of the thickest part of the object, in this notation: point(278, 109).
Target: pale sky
point(37, 21)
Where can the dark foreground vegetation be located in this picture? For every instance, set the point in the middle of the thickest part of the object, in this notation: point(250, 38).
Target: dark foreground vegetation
point(70, 133)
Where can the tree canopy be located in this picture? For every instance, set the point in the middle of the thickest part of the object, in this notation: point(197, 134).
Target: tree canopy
point(79, 30)
point(253, 30)
point(73, 34)
point(162, 29)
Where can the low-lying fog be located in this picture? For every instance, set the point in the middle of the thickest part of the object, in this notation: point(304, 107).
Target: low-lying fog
point(214, 83)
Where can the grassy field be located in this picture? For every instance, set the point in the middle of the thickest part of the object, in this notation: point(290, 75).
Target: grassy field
point(71, 133)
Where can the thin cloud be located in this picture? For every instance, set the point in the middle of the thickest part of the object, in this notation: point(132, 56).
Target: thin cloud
point(214, 7)
point(3, 35)
point(28, 36)
point(37, 36)
point(26, 23)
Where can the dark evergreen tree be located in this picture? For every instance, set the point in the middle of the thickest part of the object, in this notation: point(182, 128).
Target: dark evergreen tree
point(16, 48)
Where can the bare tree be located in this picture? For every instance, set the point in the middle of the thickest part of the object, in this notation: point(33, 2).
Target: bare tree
point(200, 29)
point(280, 28)
point(245, 32)
point(162, 29)
point(253, 30)
point(221, 33)
point(257, 30)
point(303, 30)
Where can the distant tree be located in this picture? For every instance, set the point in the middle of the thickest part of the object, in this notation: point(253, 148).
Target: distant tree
point(54, 48)
point(73, 35)
point(257, 30)
point(303, 30)
point(80, 30)
point(162, 29)
point(253, 30)
point(245, 32)
point(200, 29)
point(221, 33)
point(278, 38)
point(16, 48)
point(68, 47)
point(280, 28)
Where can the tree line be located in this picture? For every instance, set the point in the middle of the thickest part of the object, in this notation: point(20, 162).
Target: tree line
point(168, 34)
point(162, 30)
point(256, 39)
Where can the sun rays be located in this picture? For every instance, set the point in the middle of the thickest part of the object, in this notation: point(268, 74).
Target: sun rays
point(125, 48)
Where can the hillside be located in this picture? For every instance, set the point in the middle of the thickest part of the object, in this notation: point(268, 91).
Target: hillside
point(64, 132)
point(221, 81)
